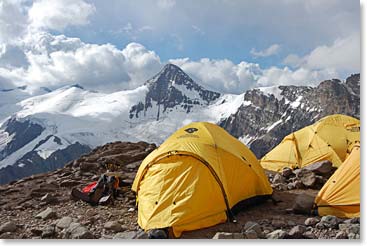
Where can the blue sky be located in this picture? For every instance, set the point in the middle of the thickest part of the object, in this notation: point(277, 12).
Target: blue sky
point(227, 45)
point(221, 29)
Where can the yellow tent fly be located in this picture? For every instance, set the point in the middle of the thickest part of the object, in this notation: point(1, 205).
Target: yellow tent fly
point(194, 178)
point(330, 138)
point(340, 196)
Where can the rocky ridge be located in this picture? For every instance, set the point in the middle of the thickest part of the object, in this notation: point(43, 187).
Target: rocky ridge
point(272, 115)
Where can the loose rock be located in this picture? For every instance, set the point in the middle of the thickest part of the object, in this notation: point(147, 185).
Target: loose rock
point(311, 221)
point(297, 231)
point(125, 235)
point(330, 221)
point(228, 235)
point(46, 214)
point(277, 234)
point(64, 222)
point(114, 226)
point(8, 227)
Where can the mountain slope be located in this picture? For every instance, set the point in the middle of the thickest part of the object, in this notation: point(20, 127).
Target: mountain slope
point(264, 123)
point(72, 120)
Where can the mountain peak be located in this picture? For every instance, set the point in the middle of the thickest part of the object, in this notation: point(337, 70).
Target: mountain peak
point(170, 74)
point(172, 88)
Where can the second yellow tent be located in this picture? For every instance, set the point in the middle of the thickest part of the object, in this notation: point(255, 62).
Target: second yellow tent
point(330, 138)
point(340, 196)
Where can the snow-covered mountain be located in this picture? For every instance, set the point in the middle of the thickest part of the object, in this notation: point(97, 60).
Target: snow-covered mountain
point(47, 131)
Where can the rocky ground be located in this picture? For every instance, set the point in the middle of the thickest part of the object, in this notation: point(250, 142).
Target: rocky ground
point(40, 206)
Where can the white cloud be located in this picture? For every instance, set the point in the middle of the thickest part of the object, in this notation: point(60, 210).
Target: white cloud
point(57, 61)
point(12, 56)
point(343, 55)
point(271, 50)
point(221, 75)
point(166, 4)
point(300, 76)
point(13, 21)
point(58, 14)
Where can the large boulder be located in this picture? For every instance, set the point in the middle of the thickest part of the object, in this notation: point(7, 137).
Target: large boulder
point(321, 167)
point(303, 204)
point(307, 177)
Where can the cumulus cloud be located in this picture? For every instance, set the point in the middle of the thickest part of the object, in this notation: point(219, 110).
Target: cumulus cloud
point(58, 14)
point(57, 61)
point(343, 55)
point(271, 50)
point(13, 21)
point(221, 75)
point(300, 76)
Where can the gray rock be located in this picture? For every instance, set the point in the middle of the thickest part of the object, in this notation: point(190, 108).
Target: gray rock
point(280, 187)
point(352, 221)
point(8, 227)
point(303, 203)
point(277, 234)
point(77, 231)
point(298, 184)
point(125, 235)
point(36, 231)
point(291, 223)
point(141, 235)
point(48, 232)
point(330, 221)
point(350, 228)
point(309, 235)
point(278, 179)
point(228, 235)
point(341, 235)
point(64, 222)
point(250, 225)
point(308, 178)
point(48, 213)
point(353, 236)
point(297, 231)
point(279, 223)
point(321, 167)
point(311, 221)
point(48, 198)
point(320, 226)
point(250, 234)
point(69, 183)
point(114, 226)
point(291, 186)
point(287, 172)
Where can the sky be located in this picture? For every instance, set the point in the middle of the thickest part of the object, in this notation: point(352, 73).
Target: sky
point(225, 45)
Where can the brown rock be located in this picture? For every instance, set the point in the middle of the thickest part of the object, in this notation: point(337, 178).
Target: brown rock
point(321, 167)
point(303, 203)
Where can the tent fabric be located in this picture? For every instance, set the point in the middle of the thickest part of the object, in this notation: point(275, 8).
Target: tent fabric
point(340, 196)
point(330, 138)
point(193, 179)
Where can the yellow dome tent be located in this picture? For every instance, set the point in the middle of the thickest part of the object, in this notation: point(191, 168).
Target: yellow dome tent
point(340, 196)
point(330, 138)
point(194, 178)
